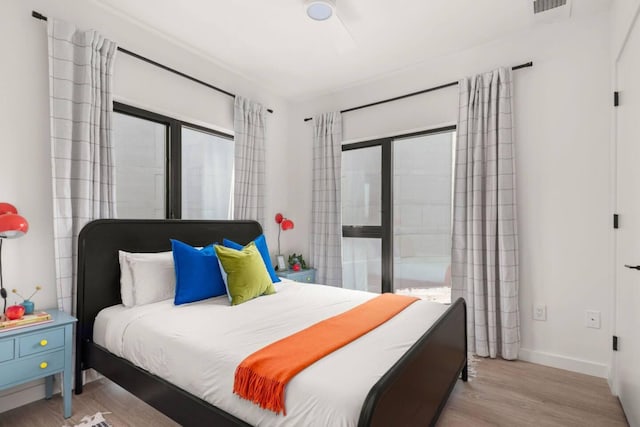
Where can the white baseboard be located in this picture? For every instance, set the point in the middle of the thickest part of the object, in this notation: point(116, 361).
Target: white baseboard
point(26, 393)
point(563, 362)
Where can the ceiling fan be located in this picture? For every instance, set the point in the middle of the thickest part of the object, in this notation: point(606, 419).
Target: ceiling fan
point(327, 13)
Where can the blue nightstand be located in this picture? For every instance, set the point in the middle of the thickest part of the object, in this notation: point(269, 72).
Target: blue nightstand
point(39, 351)
point(304, 276)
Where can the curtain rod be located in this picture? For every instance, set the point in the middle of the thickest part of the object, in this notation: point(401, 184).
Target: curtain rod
point(157, 64)
point(384, 101)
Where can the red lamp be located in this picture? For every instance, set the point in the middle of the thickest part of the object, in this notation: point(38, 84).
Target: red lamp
point(284, 224)
point(12, 226)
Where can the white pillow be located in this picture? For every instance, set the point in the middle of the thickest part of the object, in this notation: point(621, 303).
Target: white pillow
point(224, 278)
point(146, 277)
point(126, 281)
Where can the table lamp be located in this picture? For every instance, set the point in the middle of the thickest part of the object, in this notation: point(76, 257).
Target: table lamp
point(284, 224)
point(12, 226)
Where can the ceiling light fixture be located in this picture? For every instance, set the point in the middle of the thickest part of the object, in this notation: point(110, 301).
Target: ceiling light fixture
point(320, 10)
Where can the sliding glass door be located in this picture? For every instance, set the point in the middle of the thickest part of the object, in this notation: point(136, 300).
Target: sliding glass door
point(396, 213)
point(362, 217)
point(422, 197)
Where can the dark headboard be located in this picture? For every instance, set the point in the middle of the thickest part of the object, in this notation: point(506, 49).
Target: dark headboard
point(100, 240)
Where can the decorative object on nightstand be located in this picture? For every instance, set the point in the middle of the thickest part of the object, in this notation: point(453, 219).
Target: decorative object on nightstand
point(12, 225)
point(28, 305)
point(297, 262)
point(39, 351)
point(303, 276)
point(284, 224)
point(21, 320)
point(14, 312)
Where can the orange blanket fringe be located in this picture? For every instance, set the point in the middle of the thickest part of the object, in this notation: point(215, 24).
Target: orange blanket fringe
point(262, 377)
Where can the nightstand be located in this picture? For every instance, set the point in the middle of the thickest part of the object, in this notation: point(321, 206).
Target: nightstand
point(38, 351)
point(304, 276)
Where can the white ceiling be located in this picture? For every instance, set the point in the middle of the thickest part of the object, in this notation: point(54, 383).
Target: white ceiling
point(273, 42)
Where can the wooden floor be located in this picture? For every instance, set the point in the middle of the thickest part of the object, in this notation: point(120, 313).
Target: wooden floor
point(523, 394)
point(502, 394)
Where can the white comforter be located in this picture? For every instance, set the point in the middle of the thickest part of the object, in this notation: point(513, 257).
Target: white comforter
point(198, 347)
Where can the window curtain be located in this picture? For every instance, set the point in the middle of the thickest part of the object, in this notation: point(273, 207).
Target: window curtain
point(485, 239)
point(80, 97)
point(249, 167)
point(326, 224)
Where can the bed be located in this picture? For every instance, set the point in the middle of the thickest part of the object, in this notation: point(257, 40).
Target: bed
point(412, 391)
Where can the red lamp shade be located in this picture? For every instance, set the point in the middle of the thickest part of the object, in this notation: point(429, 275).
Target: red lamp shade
point(11, 224)
point(6, 208)
point(286, 224)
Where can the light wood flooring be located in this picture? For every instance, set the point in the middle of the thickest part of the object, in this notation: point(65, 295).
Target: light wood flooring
point(502, 394)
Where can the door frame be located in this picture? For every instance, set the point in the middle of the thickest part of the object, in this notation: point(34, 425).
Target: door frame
point(613, 162)
point(384, 231)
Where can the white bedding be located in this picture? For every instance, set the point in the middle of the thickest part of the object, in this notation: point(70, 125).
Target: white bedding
point(198, 347)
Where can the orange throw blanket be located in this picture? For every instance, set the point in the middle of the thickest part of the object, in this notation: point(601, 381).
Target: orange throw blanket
point(263, 375)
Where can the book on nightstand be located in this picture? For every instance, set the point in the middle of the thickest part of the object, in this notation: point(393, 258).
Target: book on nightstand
point(26, 320)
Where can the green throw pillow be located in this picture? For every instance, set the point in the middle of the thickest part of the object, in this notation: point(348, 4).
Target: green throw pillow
point(247, 277)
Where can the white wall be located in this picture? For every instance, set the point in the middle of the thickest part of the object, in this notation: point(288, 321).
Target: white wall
point(623, 13)
point(562, 111)
point(25, 175)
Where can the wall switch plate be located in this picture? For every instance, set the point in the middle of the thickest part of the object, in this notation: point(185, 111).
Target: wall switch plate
point(540, 312)
point(593, 319)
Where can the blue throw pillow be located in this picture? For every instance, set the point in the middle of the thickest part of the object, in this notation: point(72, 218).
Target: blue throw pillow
point(198, 274)
point(261, 244)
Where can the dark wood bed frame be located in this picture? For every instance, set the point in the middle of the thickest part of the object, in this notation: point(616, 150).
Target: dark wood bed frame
point(413, 392)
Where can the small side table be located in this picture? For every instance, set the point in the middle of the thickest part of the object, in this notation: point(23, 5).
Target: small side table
point(39, 351)
point(304, 276)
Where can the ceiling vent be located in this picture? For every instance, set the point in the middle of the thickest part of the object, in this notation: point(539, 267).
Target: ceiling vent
point(550, 11)
point(544, 5)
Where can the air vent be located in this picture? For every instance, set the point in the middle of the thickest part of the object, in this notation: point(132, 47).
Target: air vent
point(544, 5)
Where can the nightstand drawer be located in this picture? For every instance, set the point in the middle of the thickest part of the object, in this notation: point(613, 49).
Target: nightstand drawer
point(41, 341)
point(303, 276)
point(33, 367)
point(7, 350)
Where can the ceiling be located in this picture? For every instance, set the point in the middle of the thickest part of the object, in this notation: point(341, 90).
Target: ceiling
point(275, 44)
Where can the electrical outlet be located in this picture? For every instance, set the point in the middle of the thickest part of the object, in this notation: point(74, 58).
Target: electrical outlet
point(593, 319)
point(540, 312)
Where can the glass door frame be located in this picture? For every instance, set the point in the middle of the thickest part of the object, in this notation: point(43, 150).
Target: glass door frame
point(384, 231)
point(385, 228)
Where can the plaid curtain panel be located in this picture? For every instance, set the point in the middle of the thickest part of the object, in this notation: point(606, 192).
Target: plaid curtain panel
point(326, 218)
point(485, 237)
point(80, 96)
point(249, 164)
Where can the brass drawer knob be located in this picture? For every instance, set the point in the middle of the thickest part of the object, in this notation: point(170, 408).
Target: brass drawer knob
point(43, 343)
point(44, 365)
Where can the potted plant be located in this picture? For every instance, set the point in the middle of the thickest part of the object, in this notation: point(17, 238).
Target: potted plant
point(297, 262)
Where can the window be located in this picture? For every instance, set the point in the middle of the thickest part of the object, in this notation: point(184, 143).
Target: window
point(166, 168)
point(139, 147)
point(207, 172)
point(397, 213)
